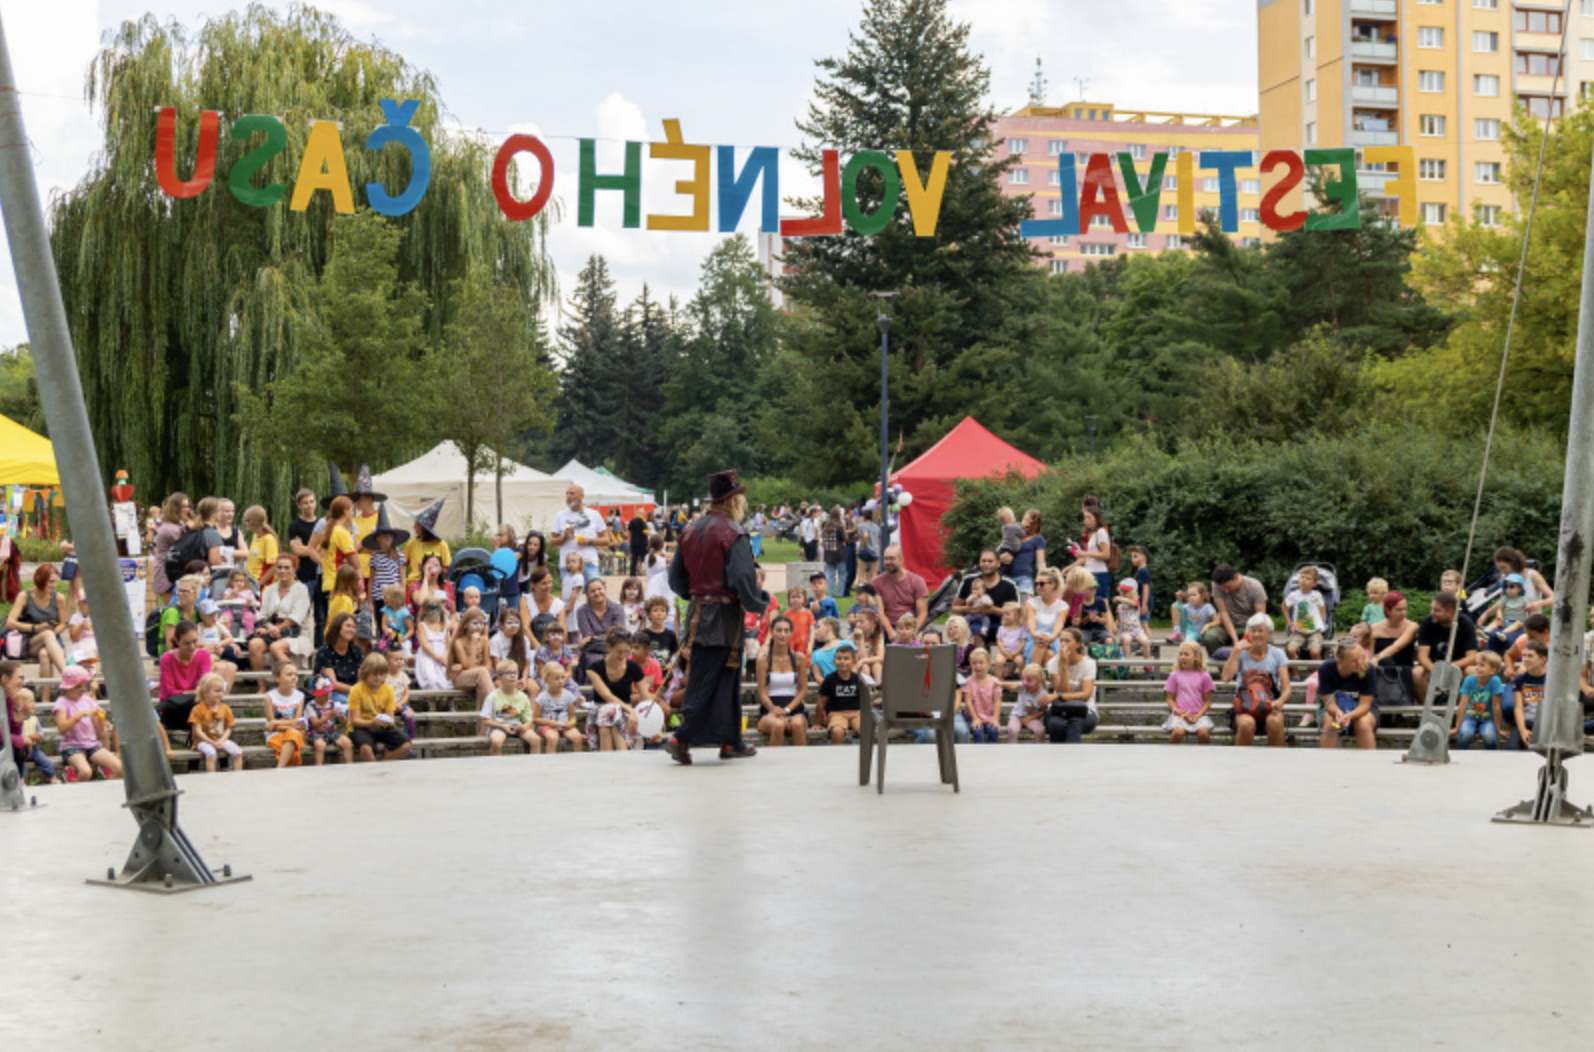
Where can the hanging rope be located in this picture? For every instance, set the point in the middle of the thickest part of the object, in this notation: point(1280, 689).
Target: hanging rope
point(1511, 320)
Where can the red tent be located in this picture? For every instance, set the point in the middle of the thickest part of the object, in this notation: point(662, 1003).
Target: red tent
point(967, 451)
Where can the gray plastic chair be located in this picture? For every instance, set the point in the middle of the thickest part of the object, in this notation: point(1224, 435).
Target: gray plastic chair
point(918, 691)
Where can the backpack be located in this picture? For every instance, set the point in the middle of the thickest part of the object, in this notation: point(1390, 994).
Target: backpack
point(1108, 652)
point(152, 632)
point(189, 548)
point(1256, 690)
point(1114, 556)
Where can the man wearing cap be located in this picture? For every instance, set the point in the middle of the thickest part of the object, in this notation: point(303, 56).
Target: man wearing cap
point(713, 567)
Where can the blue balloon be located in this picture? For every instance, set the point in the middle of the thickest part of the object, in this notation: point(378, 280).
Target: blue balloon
point(505, 562)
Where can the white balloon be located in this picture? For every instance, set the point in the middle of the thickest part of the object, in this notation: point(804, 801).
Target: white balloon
point(649, 719)
point(904, 499)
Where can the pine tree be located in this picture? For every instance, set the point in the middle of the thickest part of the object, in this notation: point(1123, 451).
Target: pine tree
point(908, 81)
point(591, 344)
point(636, 390)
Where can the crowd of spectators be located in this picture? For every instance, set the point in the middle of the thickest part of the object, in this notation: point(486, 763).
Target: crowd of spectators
point(350, 612)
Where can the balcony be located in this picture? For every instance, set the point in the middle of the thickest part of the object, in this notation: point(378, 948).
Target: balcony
point(1385, 8)
point(1372, 183)
point(1374, 50)
point(1359, 137)
point(1375, 95)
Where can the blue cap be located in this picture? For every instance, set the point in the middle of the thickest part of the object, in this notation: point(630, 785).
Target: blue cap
point(1516, 579)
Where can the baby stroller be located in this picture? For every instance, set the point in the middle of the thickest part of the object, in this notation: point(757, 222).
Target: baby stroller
point(234, 614)
point(473, 568)
point(1327, 587)
point(947, 592)
point(1485, 591)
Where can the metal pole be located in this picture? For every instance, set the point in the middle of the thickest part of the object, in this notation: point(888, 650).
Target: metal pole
point(1558, 728)
point(162, 858)
point(882, 304)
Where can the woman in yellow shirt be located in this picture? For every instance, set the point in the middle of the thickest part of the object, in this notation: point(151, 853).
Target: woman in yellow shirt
point(337, 541)
point(426, 541)
point(263, 545)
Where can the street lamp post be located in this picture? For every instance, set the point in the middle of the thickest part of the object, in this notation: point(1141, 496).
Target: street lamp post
point(882, 308)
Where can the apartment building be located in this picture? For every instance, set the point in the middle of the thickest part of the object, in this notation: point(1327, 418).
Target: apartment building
point(1036, 135)
point(1437, 75)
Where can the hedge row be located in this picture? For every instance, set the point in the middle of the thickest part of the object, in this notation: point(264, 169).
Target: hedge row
point(1382, 503)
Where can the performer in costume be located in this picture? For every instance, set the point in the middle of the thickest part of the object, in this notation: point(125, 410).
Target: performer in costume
point(713, 568)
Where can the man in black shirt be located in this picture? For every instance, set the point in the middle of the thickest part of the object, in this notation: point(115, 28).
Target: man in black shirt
point(998, 589)
point(1433, 641)
point(300, 530)
point(1345, 691)
point(842, 696)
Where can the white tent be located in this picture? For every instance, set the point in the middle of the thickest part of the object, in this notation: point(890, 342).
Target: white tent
point(531, 498)
point(604, 489)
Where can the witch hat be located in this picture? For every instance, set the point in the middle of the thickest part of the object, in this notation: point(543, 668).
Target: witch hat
point(335, 489)
point(383, 526)
point(362, 485)
point(426, 518)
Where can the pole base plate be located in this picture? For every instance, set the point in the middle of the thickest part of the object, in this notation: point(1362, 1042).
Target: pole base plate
point(1549, 807)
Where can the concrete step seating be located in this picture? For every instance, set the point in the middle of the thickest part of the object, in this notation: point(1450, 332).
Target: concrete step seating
point(1131, 710)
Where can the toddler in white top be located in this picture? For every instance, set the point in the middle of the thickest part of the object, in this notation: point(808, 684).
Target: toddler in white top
point(1131, 630)
point(1029, 711)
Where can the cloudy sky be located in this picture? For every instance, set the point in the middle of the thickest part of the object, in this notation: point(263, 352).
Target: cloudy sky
point(736, 73)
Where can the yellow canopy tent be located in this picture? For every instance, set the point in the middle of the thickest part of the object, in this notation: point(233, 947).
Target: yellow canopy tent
point(26, 459)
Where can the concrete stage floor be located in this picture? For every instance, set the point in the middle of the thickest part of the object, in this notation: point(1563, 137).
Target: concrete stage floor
point(1070, 898)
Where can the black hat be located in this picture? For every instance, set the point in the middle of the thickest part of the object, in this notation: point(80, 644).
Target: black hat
point(362, 485)
point(335, 489)
point(383, 526)
point(723, 485)
point(427, 516)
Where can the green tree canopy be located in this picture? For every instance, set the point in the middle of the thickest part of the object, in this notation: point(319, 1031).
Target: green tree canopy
point(176, 305)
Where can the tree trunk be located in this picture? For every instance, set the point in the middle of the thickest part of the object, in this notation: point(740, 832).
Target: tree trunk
point(470, 488)
point(498, 479)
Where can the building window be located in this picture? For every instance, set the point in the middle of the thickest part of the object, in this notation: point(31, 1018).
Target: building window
point(1054, 208)
point(1059, 266)
point(1250, 215)
point(1170, 212)
point(1486, 171)
point(1098, 250)
point(1311, 90)
point(1311, 133)
point(1431, 80)
point(1250, 242)
point(1054, 177)
point(1536, 21)
point(1136, 241)
point(1100, 220)
point(1170, 183)
point(1430, 37)
point(1542, 106)
point(1433, 3)
point(1307, 7)
point(1486, 43)
point(1486, 129)
point(1585, 48)
point(1489, 215)
point(1017, 147)
point(1585, 88)
point(1433, 212)
point(1174, 242)
point(1137, 151)
point(1209, 185)
point(1311, 47)
point(1486, 5)
point(1250, 186)
point(1018, 176)
point(1585, 8)
point(1057, 239)
point(1431, 124)
point(1057, 146)
point(1537, 64)
point(1431, 170)
point(1486, 85)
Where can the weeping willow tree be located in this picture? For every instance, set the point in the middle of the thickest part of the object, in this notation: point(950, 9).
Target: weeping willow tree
point(178, 307)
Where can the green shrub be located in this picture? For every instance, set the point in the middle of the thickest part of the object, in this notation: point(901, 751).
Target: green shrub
point(39, 550)
point(1382, 503)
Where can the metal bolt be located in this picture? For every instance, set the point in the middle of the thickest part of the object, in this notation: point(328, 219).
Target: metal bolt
point(110, 873)
point(226, 870)
point(168, 880)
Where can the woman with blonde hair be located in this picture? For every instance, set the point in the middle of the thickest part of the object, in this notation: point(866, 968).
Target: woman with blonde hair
point(264, 545)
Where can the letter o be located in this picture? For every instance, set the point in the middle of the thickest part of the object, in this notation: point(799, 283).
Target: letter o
point(513, 209)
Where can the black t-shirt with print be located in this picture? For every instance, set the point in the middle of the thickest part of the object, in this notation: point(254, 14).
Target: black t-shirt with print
point(662, 645)
point(842, 695)
point(345, 669)
point(1436, 637)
